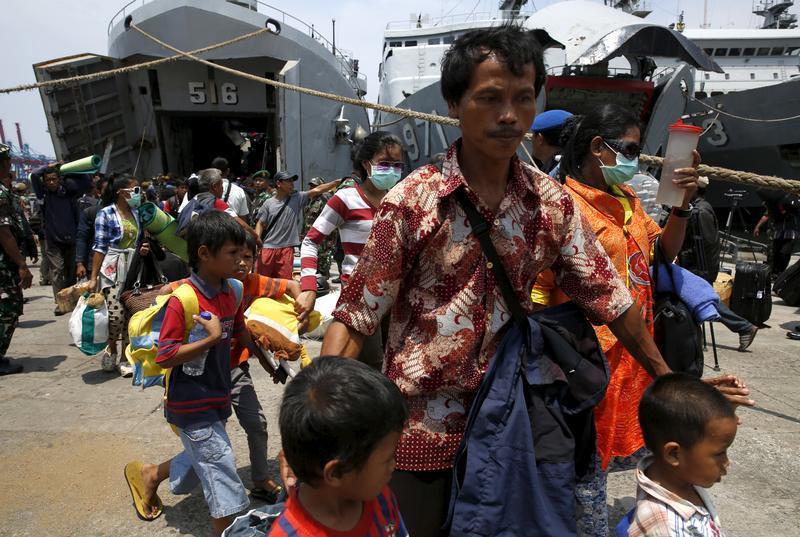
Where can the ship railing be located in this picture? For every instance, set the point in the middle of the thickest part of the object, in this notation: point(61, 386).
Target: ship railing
point(343, 57)
point(462, 18)
point(732, 246)
point(567, 70)
point(123, 12)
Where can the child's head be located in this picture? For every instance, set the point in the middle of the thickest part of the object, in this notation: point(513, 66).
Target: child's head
point(340, 422)
point(214, 242)
point(248, 258)
point(688, 425)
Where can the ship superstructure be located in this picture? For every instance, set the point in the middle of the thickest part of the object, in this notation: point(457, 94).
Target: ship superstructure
point(178, 116)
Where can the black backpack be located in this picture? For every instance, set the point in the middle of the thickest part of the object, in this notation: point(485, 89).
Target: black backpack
point(678, 337)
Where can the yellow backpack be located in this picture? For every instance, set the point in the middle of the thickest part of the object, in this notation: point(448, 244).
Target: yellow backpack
point(145, 326)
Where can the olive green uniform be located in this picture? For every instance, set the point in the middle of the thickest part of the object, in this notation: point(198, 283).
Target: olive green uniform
point(10, 289)
point(325, 252)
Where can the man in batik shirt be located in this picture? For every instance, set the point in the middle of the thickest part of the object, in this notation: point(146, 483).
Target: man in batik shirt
point(423, 266)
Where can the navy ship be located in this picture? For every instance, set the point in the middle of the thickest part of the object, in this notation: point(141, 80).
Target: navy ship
point(609, 52)
point(179, 115)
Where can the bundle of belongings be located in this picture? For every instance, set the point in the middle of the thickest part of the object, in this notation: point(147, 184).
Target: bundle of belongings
point(272, 323)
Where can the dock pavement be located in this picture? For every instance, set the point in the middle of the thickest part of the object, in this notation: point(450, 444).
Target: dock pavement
point(67, 429)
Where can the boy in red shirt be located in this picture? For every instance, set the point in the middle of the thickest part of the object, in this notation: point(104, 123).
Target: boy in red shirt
point(198, 405)
point(340, 422)
point(243, 394)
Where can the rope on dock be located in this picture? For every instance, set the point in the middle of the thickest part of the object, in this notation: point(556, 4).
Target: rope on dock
point(307, 91)
point(734, 176)
point(712, 172)
point(60, 82)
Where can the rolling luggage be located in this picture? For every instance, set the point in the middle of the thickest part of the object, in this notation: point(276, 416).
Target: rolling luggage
point(787, 285)
point(751, 297)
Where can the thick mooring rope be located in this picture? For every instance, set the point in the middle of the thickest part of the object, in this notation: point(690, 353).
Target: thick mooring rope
point(59, 82)
point(307, 91)
point(733, 176)
point(712, 172)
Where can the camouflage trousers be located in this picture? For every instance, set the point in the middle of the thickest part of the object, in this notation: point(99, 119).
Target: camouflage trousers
point(10, 306)
point(324, 258)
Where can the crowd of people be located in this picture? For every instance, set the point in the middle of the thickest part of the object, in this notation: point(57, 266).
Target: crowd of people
point(371, 430)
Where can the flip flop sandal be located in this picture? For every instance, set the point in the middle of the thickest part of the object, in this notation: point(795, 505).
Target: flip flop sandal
point(269, 496)
point(133, 476)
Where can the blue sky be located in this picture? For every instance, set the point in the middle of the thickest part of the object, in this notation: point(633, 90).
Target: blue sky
point(39, 30)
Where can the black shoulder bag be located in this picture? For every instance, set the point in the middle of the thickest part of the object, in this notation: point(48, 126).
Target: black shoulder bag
point(274, 220)
point(678, 337)
point(569, 336)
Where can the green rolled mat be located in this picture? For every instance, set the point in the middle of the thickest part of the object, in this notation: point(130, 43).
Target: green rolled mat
point(85, 165)
point(163, 228)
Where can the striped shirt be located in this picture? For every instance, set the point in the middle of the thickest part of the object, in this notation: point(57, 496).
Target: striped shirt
point(379, 518)
point(661, 513)
point(351, 213)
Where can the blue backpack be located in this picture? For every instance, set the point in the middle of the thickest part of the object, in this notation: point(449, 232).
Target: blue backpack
point(200, 204)
point(531, 423)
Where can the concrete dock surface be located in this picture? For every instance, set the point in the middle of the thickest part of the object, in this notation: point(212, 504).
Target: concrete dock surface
point(67, 429)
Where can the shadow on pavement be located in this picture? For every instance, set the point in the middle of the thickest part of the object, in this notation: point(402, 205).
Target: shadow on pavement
point(37, 364)
point(98, 376)
point(33, 323)
point(619, 509)
point(189, 516)
point(776, 414)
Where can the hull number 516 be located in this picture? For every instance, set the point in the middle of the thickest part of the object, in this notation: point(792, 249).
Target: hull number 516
point(202, 93)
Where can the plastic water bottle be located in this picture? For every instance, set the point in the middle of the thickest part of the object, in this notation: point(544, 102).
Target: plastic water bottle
point(682, 141)
point(196, 367)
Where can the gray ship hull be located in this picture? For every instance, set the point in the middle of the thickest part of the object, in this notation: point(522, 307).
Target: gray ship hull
point(180, 115)
point(766, 148)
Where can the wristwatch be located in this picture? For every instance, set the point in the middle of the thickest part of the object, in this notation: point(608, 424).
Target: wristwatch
point(681, 213)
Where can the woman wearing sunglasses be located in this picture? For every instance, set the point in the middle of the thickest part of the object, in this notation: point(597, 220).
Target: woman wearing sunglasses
point(378, 166)
point(117, 234)
point(601, 154)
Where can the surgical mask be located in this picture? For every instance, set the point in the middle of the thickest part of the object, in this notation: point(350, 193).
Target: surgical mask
point(622, 172)
point(135, 201)
point(385, 177)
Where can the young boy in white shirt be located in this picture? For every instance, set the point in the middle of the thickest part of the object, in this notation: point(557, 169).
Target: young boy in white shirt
point(689, 426)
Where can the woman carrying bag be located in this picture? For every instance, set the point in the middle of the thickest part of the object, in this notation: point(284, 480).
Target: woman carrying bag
point(118, 235)
point(378, 167)
point(601, 152)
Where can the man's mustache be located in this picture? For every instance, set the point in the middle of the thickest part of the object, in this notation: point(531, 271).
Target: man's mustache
point(506, 132)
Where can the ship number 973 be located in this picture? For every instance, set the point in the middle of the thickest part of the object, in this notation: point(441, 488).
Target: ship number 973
point(202, 93)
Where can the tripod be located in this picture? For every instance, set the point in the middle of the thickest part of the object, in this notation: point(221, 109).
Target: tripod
point(727, 241)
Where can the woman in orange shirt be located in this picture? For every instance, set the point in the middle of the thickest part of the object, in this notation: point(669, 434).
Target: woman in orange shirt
point(601, 154)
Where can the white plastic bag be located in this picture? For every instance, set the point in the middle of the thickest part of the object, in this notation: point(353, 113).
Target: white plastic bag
point(88, 325)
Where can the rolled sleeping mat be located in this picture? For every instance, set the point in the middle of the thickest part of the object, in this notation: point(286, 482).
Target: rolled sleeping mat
point(89, 164)
point(163, 228)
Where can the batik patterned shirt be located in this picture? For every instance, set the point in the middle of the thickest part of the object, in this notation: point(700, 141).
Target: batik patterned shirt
point(422, 264)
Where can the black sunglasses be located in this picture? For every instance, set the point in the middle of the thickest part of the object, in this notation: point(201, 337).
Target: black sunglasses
point(631, 150)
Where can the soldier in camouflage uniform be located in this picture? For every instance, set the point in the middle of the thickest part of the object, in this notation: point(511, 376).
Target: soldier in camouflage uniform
point(325, 252)
point(14, 273)
point(261, 184)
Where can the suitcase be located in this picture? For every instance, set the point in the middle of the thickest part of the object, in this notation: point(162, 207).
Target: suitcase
point(787, 285)
point(751, 297)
